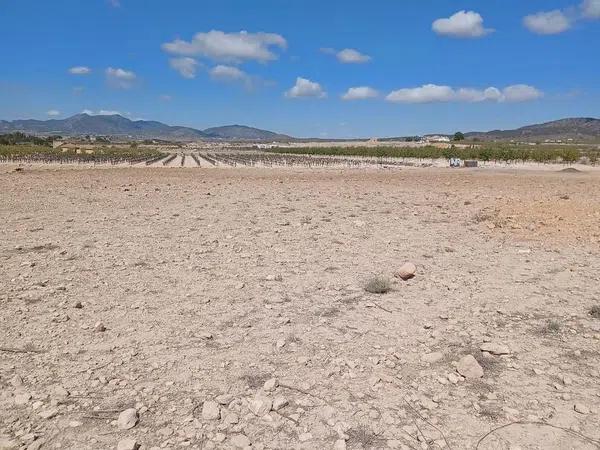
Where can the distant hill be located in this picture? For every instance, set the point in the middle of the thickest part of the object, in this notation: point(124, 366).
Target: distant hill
point(578, 129)
point(244, 133)
point(119, 126)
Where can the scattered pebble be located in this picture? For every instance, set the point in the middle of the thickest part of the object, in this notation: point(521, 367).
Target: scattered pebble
point(469, 368)
point(128, 419)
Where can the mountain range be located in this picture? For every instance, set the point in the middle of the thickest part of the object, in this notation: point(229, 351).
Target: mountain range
point(578, 129)
point(118, 126)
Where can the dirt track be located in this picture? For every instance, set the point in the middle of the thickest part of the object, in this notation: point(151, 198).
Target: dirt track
point(211, 282)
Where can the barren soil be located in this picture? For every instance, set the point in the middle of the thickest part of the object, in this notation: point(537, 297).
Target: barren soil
point(181, 292)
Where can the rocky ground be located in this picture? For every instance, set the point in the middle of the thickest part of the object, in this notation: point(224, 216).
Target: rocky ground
point(225, 308)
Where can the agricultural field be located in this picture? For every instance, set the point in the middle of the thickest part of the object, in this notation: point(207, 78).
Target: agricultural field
point(267, 308)
point(36, 154)
point(486, 152)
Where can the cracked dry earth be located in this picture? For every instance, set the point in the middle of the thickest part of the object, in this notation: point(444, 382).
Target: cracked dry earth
point(225, 308)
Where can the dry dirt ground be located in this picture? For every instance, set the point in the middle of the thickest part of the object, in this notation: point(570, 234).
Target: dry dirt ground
point(227, 308)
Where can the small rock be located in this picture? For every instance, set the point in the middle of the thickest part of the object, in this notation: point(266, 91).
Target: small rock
point(35, 445)
point(260, 405)
point(303, 437)
point(22, 399)
point(16, 381)
point(581, 409)
point(239, 441)
point(99, 327)
point(279, 403)
point(432, 357)
point(128, 444)
point(340, 444)
point(78, 305)
point(495, 348)
point(270, 385)
point(128, 419)
point(468, 367)
point(211, 410)
point(48, 413)
point(406, 271)
point(61, 392)
point(567, 380)
point(224, 399)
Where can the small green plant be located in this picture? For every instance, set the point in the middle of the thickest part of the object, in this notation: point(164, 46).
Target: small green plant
point(595, 311)
point(552, 327)
point(378, 285)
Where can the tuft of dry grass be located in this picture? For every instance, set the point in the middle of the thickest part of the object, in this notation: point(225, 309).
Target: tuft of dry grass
point(378, 285)
point(363, 436)
point(595, 311)
point(551, 327)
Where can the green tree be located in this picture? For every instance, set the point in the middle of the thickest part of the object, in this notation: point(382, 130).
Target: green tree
point(458, 136)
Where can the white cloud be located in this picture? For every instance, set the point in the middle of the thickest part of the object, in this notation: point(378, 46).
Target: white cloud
point(80, 70)
point(549, 22)
point(521, 93)
point(186, 66)
point(424, 94)
point(360, 93)
point(591, 9)
point(432, 93)
point(229, 47)
point(166, 98)
point(228, 73)
point(115, 3)
point(102, 112)
point(120, 78)
point(305, 88)
point(351, 56)
point(463, 24)
point(53, 113)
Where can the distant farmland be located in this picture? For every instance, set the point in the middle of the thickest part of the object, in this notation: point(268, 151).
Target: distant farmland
point(488, 152)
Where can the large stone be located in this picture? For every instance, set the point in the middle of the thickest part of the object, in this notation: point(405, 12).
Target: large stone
point(22, 399)
point(128, 444)
point(239, 441)
point(406, 271)
point(128, 419)
point(495, 348)
point(211, 410)
point(468, 367)
point(432, 357)
point(260, 405)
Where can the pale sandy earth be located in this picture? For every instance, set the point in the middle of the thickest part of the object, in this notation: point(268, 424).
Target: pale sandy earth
point(211, 282)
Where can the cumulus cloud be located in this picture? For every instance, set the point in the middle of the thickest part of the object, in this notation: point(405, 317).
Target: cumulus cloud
point(120, 78)
point(186, 66)
point(463, 24)
point(360, 93)
point(548, 22)
point(305, 88)
point(80, 70)
point(347, 56)
point(227, 73)
point(590, 9)
point(229, 47)
point(53, 113)
point(520, 93)
point(232, 74)
point(352, 56)
point(432, 93)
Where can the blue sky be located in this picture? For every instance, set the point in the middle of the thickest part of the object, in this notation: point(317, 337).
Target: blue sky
point(308, 68)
